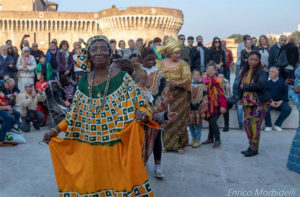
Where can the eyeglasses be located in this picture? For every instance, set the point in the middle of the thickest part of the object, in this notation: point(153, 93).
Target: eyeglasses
point(217, 41)
point(104, 50)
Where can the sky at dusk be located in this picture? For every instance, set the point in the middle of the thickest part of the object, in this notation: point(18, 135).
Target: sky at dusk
point(211, 18)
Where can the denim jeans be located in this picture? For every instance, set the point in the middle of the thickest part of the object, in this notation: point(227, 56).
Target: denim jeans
point(8, 118)
point(285, 111)
point(2, 129)
point(227, 73)
point(196, 132)
point(240, 114)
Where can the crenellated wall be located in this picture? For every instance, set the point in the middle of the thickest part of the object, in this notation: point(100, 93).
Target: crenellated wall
point(145, 22)
point(132, 23)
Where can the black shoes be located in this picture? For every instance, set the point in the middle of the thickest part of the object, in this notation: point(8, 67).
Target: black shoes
point(249, 152)
point(226, 128)
point(245, 151)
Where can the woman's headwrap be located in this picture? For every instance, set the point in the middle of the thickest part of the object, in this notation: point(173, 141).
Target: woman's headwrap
point(82, 61)
point(171, 46)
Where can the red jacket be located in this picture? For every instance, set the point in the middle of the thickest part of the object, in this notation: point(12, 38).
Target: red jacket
point(229, 57)
point(42, 85)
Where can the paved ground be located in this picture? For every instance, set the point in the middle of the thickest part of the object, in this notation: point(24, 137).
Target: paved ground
point(26, 170)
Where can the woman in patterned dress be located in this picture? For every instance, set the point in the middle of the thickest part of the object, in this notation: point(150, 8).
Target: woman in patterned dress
point(100, 154)
point(294, 157)
point(178, 75)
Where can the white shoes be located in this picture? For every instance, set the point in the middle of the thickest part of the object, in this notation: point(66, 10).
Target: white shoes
point(267, 129)
point(159, 173)
point(277, 128)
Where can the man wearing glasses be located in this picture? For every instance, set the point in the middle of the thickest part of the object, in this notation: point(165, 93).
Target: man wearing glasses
point(186, 51)
point(35, 52)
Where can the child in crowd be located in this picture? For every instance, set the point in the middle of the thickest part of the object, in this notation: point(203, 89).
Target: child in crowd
point(198, 107)
point(204, 74)
point(44, 67)
point(216, 104)
point(69, 87)
point(226, 86)
point(42, 85)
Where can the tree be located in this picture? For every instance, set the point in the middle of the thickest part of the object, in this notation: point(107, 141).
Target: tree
point(238, 37)
point(272, 40)
point(296, 34)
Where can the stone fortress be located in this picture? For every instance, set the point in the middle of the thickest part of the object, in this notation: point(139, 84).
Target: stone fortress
point(41, 20)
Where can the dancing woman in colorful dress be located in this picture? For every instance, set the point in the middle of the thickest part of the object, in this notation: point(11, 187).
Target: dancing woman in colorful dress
point(294, 94)
point(100, 154)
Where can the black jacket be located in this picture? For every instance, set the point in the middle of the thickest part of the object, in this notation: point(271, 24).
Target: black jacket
point(292, 54)
point(273, 56)
point(216, 56)
point(244, 57)
point(259, 86)
point(196, 59)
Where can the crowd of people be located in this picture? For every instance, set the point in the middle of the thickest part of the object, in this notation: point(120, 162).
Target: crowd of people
point(168, 86)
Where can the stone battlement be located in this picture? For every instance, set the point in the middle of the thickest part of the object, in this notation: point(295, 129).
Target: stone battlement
point(131, 23)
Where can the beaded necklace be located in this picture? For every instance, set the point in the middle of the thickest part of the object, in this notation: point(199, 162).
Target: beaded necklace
point(97, 109)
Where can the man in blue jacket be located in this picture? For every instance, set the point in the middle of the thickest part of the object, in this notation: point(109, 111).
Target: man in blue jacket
point(7, 65)
point(278, 91)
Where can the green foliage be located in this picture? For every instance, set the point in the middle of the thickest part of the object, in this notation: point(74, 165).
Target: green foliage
point(238, 37)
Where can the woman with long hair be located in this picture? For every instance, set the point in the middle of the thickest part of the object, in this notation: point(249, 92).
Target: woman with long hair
point(264, 50)
point(64, 59)
point(255, 99)
point(178, 75)
point(217, 54)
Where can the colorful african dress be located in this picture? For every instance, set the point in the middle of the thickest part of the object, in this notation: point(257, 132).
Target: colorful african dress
point(157, 86)
point(254, 114)
point(100, 154)
point(294, 157)
point(175, 134)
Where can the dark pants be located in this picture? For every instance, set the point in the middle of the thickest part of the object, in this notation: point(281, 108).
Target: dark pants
point(157, 149)
point(227, 73)
point(226, 115)
point(285, 73)
point(37, 122)
point(285, 111)
point(214, 132)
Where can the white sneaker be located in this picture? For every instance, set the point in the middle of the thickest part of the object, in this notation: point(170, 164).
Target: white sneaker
point(277, 128)
point(268, 129)
point(159, 173)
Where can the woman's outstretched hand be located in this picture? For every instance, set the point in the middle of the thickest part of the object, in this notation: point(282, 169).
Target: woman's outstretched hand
point(48, 136)
point(141, 116)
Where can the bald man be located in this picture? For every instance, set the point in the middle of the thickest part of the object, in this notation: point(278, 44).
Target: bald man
point(278, 91)
point(276, 49)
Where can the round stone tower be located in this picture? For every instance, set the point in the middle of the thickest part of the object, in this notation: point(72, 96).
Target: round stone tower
point(140, 22)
